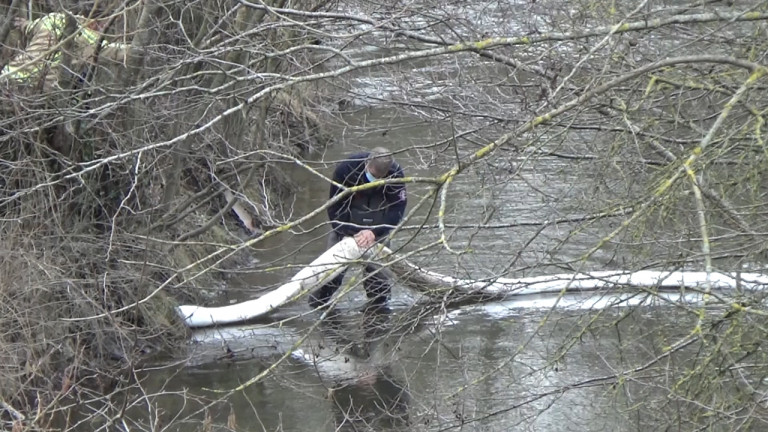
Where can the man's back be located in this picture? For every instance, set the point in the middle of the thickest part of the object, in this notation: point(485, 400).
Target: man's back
point(42, 53)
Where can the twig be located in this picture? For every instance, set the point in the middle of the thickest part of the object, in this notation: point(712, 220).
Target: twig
point(11, 410)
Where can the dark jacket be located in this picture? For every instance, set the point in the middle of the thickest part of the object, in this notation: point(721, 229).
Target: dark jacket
point(380, 208)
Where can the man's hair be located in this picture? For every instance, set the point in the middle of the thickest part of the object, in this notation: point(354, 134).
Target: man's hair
point(381, 160)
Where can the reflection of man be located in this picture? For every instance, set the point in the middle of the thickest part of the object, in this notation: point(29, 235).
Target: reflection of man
point(43, 51)
point(368, 216)
point(375, 399)
point(378, 403)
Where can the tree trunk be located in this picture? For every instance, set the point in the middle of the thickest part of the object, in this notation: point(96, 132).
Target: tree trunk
point(7, 25)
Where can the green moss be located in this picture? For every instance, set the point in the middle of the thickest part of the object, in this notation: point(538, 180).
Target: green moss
point(541, 119)
point(620, 28)
point(483, 151)
point(651, 84)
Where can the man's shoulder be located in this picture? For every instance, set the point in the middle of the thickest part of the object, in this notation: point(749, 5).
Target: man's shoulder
point(353, 160)
point(54, 22)
point(357, 156)
point(396, 170)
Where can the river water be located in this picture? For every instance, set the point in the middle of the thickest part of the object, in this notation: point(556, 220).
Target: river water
point(546, 363)
point(528, 364)
point(490, 368)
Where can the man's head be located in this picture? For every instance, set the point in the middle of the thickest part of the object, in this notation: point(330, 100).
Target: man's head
point(379, 163)
point(94, 15)
point(92, 9)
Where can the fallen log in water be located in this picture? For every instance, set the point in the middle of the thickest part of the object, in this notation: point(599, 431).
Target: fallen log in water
point(335, 259)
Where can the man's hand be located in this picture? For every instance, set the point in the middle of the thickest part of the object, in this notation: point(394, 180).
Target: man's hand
point(365, 239)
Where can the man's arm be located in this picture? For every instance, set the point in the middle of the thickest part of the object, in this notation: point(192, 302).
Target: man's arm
point(43, 34)
point(114, 51)
point(339, 212)
point(88, 39)
point(396, 200)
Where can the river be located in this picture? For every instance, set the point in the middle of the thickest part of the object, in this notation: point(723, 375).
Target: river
point(549, 363)
point(523, 365)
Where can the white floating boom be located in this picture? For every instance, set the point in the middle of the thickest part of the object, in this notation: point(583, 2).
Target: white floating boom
point(325, 267)
point(335, 259)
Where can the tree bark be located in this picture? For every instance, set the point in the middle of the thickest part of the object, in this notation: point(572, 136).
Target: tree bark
point(5, 28)
point(137, 52)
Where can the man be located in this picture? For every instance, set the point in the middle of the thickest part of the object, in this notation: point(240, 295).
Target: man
point(43, 51)
point(368, 216)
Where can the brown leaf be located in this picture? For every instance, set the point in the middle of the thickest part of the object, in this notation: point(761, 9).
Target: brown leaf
point(208, 422)
point(231, 419)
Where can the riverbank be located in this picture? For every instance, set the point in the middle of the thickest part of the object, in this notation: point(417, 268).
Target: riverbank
point(93, 265)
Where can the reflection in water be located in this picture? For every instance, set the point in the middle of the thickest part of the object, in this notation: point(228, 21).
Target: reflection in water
point(374, 402)
point(484, 367)
point(374, 399)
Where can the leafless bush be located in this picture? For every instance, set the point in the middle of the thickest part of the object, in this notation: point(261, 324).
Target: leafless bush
point(95, 216)
point(627, 135)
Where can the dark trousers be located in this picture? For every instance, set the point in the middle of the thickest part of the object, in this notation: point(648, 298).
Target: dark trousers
point(377, 285)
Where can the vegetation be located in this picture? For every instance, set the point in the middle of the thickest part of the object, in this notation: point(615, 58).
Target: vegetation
point(541, 137)
point(112, 187)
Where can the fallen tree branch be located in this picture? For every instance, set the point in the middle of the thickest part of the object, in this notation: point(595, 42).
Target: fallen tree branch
point(12, 411)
